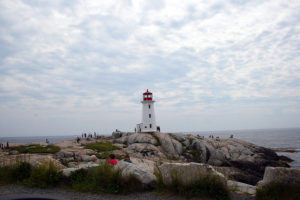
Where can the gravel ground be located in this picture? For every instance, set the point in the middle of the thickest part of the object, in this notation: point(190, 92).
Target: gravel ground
point(16, 192)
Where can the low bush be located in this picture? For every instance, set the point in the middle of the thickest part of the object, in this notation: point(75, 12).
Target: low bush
point(36, 148)
point(16, 173)
point(101, 146)
point(206, 185)
point(44, 176)
point(278, 191)
point(21, 171)
point(103, 179)
point(6, 175)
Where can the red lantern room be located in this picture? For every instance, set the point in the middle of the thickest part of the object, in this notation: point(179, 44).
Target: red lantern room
point(147, 96)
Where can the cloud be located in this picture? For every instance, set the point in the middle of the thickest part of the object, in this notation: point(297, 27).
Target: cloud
point(199, 58)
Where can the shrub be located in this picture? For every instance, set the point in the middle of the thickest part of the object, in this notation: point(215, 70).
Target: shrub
point(278, 191)
point(101, 146)
point(6, 175)
point(36, 148)
point(44, 176)
point(206, 185)
point(15, 173)
point(103, 179)
point(21, 171)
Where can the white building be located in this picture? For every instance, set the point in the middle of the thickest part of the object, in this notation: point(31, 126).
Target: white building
point(148, 115)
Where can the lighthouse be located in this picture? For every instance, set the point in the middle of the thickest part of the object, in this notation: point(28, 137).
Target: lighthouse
point(148, 115)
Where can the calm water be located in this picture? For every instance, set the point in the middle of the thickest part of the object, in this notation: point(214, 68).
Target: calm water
point(270, 138)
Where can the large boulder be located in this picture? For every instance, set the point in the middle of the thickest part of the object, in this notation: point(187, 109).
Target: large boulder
point(242, 187)
point(172, 147)
point(280, 175)
point(186, 172)
point(141, 172)
point(145, 150)
point(141, 138)
point(67, 171)
point(119, 134)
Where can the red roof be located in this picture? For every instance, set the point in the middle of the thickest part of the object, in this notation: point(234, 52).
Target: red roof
point(147, 92)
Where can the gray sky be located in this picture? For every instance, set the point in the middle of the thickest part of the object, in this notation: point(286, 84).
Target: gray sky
point(68, 67)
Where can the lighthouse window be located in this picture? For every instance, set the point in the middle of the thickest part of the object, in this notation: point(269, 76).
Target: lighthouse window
point(149, 115)
point(149, 106)
point(150, 125)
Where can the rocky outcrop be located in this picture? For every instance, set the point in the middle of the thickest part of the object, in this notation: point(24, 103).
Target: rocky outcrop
point(145, 150)
point(241, 160)
point(142, 173)
point(280, 175)
point(67, 171)
point(141, 138)
point(171, 147)
point(241, 187)
point(186, 172)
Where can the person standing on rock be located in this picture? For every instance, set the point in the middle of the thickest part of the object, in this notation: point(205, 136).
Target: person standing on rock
point(112, 159)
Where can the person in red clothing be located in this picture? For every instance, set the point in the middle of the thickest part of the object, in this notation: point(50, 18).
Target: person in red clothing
point(112, 159)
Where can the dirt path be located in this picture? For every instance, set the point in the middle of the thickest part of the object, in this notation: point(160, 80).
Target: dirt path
point(16, 192)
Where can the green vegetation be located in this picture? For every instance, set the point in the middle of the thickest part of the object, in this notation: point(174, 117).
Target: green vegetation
point(97, 179)
point(278, 191)
point(42, 176)
point(206, 185)
point(103, 179)
point(15, 174)
point(101, 146)
point(36, 148)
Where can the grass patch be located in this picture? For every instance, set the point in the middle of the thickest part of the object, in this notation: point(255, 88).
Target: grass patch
point(205, 185)
point(278, 191)
point(16, 173)
point(103, 179)
point(36, 148)
point(101, 146)
point(44, 176)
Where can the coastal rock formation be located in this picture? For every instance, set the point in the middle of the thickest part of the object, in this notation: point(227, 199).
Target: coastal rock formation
point(67, 171)
point(281, 175)
point(186, 172)
point(242, 187)
point(237, 159)
point(144, 174)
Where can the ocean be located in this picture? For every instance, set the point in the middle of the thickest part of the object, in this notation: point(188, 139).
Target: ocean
point(282, 139)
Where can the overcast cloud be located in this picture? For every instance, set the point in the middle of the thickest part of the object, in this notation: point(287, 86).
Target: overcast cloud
point(68, 67)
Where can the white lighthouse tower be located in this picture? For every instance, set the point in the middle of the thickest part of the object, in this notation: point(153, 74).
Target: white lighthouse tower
point(148, 116)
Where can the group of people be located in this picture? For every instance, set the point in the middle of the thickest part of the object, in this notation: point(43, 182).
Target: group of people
point(89, 135)
point(3, 146)
point(113, 161)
